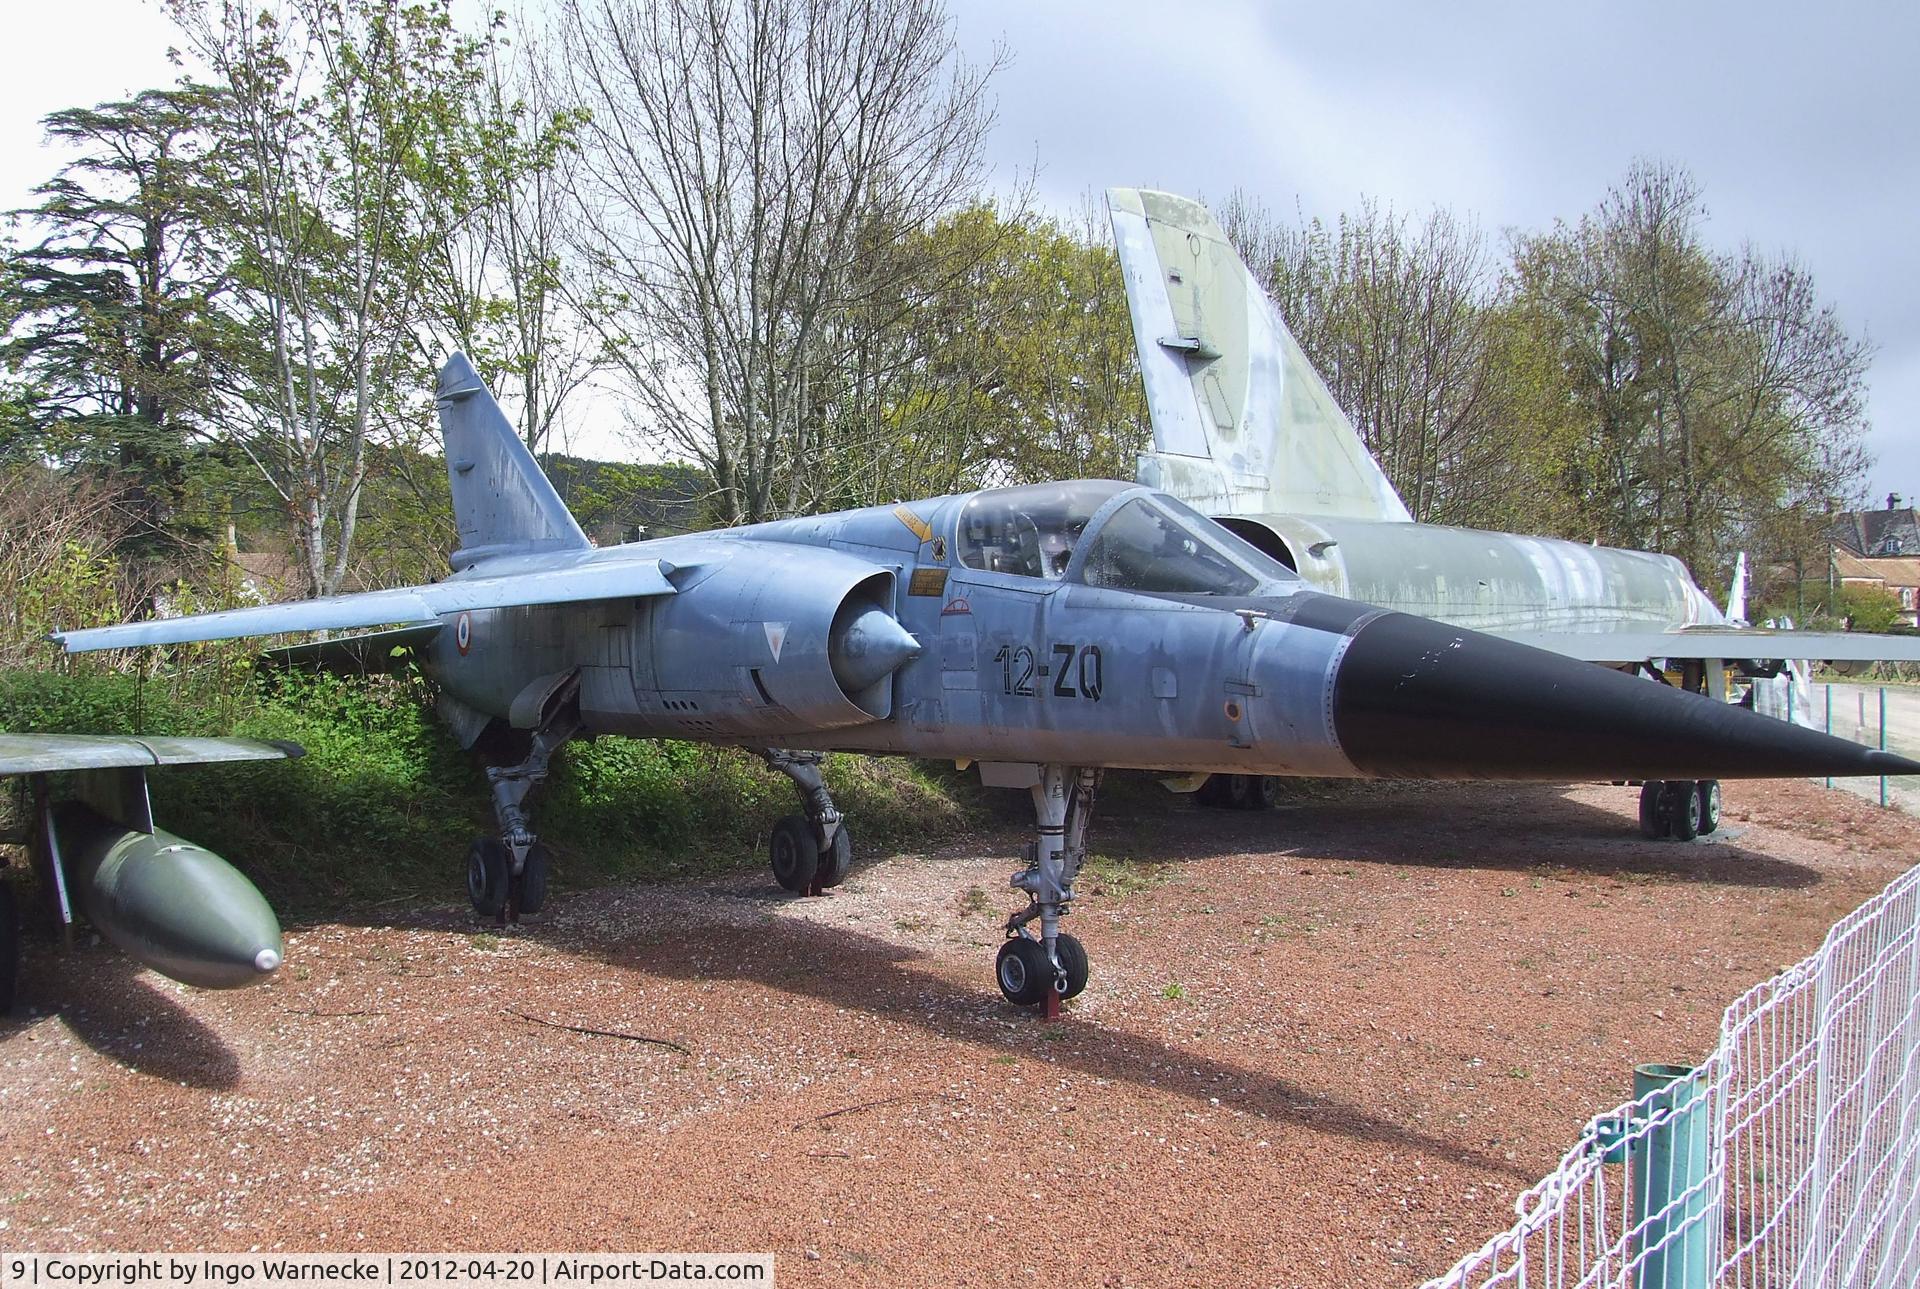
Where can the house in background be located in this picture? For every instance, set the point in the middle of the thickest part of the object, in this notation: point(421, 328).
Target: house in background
point(1881, 548)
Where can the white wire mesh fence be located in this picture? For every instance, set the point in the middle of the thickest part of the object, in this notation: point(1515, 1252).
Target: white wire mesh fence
point(1790, 1158)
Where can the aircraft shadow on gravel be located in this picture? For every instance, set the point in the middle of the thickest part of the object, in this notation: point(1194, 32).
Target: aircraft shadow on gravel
point(846, 969)
point(117, 1010)
point(1429, 827)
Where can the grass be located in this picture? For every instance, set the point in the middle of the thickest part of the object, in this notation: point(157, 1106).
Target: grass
point(974, 901)
point(1118, 877)
point(385, 803)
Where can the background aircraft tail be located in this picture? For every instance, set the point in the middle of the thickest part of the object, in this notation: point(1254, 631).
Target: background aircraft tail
point(1242, 424)
point(502, 503)
point(1737, 593)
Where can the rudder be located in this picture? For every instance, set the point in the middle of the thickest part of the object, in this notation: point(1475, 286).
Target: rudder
point(502, 503)
point(1242, 424)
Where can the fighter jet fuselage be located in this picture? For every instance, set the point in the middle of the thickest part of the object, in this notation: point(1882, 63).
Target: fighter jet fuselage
point(1088, 620)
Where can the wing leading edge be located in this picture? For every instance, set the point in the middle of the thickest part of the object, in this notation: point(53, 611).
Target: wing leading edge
point(42, 753)
point(1628, 645)
point(412, 606)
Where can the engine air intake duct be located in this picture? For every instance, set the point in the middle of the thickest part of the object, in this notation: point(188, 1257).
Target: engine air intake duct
point(788, 638)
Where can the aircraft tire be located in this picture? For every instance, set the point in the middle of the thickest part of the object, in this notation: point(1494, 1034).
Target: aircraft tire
point(1073, 960)
point(1212, 793)
point(794, 853)
point(1709, 790)
point(1683, 809)
point(1266, 792)
point(487, 874)
point(1022, 971)
point(837, 862)
point(9, 946)
point(534, 872)
point(1243, 792)
point(1653, 809)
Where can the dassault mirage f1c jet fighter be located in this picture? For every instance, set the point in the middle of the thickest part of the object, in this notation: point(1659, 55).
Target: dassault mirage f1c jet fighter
point(1044, 632)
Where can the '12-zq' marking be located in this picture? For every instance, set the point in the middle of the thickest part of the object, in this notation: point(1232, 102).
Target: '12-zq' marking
point(1076, 671)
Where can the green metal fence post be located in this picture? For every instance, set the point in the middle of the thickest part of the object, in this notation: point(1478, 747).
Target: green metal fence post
point(1668, 1166)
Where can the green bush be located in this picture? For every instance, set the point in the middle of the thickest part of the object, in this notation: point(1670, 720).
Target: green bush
point(384, 804)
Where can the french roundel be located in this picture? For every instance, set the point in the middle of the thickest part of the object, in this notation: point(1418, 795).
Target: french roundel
point(463, 633)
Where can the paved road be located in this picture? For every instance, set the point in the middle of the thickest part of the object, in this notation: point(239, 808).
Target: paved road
point(1856, 715)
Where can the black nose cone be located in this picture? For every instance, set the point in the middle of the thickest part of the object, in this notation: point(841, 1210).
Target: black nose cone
point(1414, 698)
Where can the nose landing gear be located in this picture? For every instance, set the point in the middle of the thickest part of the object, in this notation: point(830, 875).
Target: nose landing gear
point(1047, 969)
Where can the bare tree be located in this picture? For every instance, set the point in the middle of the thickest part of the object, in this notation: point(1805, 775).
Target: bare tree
point(500, 284)
point(748, 165)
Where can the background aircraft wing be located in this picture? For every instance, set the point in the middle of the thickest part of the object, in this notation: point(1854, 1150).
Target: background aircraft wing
point(1629, 645)
point(41, 753)
point(412, 606)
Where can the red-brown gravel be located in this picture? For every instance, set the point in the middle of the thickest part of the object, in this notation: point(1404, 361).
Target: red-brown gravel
point(1324, 1046)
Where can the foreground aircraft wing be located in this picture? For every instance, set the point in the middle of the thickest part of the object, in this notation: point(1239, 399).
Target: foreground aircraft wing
point(1628, 645)
point(42, 753)
point(1242, 424)
point(162, 900)
point(412, 606)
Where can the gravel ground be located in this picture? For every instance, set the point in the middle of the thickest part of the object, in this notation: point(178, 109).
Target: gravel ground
point(1324, 1046)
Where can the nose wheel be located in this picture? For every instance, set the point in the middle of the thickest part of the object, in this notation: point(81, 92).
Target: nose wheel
point(1025, 975)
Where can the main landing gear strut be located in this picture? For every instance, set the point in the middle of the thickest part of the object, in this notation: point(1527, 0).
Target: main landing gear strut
point(1046, 969)
point(814, 851)
point(507, 875)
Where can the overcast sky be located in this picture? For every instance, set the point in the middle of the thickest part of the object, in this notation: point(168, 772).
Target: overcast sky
point(1799, 122)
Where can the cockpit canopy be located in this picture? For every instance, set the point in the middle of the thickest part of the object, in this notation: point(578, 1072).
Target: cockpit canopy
point(1111, 534)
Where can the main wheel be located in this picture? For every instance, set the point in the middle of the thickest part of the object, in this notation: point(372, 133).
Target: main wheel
point(1073, 960)
point(9, 946)
point(1023, 971)
point(1653, 809)
point(534, 871)
point(1213, 793)
point(795, 854)
point(1683, 809)
point(487, 875)
point(1243, 792)
point(1266, 792)
point(836, 862)
point(1709, 792)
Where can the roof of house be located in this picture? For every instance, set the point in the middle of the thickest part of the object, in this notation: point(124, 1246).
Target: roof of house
point(1894, 571)
point(1877, 533)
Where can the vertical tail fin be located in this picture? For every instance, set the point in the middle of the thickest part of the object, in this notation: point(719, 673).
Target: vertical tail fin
point(502, 503)
point(1242, 424)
